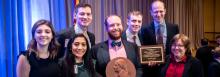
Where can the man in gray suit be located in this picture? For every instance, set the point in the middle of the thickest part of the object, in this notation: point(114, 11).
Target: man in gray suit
point(115, 47)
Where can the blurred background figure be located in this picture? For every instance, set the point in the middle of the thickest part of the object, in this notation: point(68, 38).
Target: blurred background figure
point(204, 54)
point(214, 67)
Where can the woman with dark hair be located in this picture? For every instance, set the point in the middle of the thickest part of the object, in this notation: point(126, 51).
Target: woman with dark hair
point(40, 59)
point(180, 63)
point(77, 62)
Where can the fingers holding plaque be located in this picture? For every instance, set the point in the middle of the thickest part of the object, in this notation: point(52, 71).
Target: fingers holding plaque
point(151, 53)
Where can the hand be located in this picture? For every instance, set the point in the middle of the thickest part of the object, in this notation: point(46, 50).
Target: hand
point(151, 64)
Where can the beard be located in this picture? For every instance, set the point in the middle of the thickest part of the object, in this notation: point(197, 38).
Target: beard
point(113, 37)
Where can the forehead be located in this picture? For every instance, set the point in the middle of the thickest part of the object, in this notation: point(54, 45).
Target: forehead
point(84, 9)
point(113, 19)
point(79, 39)
point(178, 41)
point(43, 27)
point(139, 17)
point(157, 6)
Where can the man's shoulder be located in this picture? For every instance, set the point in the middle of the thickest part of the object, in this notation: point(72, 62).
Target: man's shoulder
point(67, 31)
point(91, 34)
point(101, 44)
point(171, 24)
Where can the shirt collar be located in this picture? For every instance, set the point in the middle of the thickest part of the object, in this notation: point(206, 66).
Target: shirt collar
point(78, 29)
point(110, 41)
point(129, 34)
point(156, 24)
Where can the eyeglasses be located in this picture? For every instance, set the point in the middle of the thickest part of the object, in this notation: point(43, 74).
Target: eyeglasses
point(176, 45)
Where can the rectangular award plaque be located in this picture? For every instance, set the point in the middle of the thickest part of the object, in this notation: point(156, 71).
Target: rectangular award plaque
point(151, 53)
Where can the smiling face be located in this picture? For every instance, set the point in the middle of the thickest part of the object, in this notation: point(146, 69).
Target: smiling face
point(134, 23)
point(178, 49)
point(79, 47)
point(43, 35)
point(158, 11)
point(83, 16)
point(114, 27)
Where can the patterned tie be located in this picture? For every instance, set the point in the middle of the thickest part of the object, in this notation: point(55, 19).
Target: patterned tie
point(114, 43)
point(159, 35)
point(134, 39)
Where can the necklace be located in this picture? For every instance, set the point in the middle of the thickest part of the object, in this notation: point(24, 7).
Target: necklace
point(78, 66)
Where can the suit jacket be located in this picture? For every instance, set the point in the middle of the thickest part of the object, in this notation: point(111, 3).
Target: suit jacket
point(124, 36)
point(149, 37)
point(100, 53)
point(192, 67)
point(204, 54)
point(68, 34)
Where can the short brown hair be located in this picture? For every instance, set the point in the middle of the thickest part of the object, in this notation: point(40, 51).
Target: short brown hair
point(81, 5)
point(136, 13)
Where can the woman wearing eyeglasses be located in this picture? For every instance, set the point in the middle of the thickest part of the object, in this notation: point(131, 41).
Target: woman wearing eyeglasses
point(180, 63)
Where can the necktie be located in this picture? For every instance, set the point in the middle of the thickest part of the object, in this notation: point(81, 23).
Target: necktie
point(159, 35)
point(87, 37)
point(114, 43)
point(134, 39)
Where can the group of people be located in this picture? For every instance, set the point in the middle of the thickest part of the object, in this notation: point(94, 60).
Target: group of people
point(73, 52)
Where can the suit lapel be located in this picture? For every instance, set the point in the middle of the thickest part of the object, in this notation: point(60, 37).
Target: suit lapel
point(152, 29)
point(127, 49)
point(105, 52)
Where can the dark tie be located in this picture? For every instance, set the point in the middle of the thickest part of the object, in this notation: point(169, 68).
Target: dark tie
point(159, 35)
point(134, 39)
point(114, 43)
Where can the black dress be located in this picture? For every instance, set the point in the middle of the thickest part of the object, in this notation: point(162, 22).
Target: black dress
point(42, 67)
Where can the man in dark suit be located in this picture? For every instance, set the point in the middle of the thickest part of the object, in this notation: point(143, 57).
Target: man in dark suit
point(132, 33)
point(114, 47)
point(204, 54)
point(83, 17)
point(158, 32)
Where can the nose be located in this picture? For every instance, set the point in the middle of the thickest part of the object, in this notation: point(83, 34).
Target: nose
point(43, 33)
point(85, 16)
point(80, 47)
point(115, 26)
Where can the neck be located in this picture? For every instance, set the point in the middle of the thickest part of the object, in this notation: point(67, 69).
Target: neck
point(84, 29)
point(42, 51)
point(132, 32)
point(177, 59)
point(79, 60)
